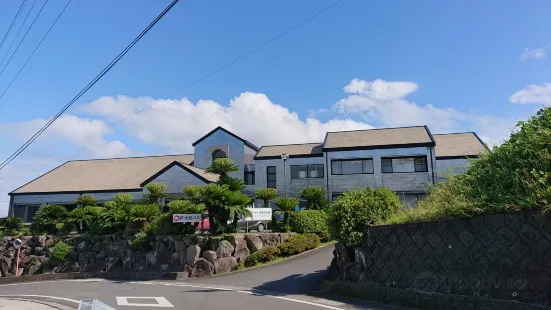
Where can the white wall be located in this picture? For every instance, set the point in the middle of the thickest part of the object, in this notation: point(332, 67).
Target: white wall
point(202, 156)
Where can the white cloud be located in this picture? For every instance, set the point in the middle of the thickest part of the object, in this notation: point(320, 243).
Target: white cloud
point(533, 94)
point(383, 103)
point(176, 124)
point(535, 53)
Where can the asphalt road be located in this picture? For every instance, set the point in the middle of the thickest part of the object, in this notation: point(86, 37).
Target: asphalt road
point(285, 285)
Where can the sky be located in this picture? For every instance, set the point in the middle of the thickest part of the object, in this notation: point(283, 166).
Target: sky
point(454, 66)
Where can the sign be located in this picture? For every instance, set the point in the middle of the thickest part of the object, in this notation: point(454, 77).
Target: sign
point(17, 244)
point(260, 214)
point(186, 218)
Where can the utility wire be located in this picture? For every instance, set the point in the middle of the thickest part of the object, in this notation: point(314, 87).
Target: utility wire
point(204, 77)
point(23, 39)
point(13, 22)
point(35, 49)
point(17, 34)
point(85, 89)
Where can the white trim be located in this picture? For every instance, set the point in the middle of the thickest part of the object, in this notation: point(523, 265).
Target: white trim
point(161, 302)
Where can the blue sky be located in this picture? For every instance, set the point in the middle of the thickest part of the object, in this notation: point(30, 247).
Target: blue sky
point(455, 66)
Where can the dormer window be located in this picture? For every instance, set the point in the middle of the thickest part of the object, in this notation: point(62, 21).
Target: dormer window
point(218, 154)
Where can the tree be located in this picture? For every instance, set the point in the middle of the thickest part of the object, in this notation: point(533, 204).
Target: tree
point(286, 204)
point(144, 213)
point(11, 224)
point(155, 195)
point(315, 197)
point(86, 200)
point(223, 167)
point(49, 216)
point(233, 184)
point(267, 194)
point(236, 204)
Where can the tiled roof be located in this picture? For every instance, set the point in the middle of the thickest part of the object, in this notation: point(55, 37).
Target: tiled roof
point(378, 138)
point(101, 174)
point(293, 150)
point(463, 144)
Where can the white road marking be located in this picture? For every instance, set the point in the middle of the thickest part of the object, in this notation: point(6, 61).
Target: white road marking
point(160, 302)
point(43, 296)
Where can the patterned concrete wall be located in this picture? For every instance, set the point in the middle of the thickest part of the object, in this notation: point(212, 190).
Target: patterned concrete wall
point(504, 256)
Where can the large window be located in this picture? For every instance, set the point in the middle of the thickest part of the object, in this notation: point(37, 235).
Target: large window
point(249, 178)
point(271, 176)
point(26, 213)
point(404, 164)
point(352, 166)
point(306, 171)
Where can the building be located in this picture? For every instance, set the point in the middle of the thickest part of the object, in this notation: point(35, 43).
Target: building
point(405, 159)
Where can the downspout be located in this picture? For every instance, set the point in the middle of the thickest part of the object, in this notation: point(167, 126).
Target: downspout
point(10, 207)
point(432, 163)
point(327, 176)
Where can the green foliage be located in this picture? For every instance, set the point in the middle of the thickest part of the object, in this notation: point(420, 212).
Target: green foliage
point(298, 244)
point(310, 221)
point(144, 213)
point(287, 205)
point(25, 231)
point(49, 216)
point(315, 196)
point(165, 224)
point(233, 184)
point(11, 224)
point(240, 265)
point(156, 192)
point(356, 209)
point(60, 251)
point(266, 194)
point(141, 242)
point(514, 176)
point(263, 255)
point(223, 167)
point(86, 200)
point(185, 207)
point(86, 218)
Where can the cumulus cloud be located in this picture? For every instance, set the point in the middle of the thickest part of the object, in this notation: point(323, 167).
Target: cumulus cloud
point(384, 104)
point(176, 124)
point(535, 53)
point(533, 94)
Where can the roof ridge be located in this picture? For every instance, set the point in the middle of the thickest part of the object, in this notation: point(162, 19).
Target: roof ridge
point(454, 133)
point(131, 157)
point(386, 128)
point(294, 144)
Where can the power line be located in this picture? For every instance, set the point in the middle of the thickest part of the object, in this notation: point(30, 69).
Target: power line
point(23, 39)
point(18, 31)
point(35, 49)
point(13, 22)
point(85, 89)
point(205, 76)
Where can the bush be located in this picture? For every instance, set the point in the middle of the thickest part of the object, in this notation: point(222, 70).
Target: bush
point(356, 209)
point(60, 251)
point(298, 244)
point(49, 216)
point(310, 222)
point(315, 196)
point(263, 255)
point(11, 224)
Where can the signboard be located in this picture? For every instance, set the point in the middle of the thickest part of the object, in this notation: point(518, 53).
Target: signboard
point(186, 218)
point(260, 214)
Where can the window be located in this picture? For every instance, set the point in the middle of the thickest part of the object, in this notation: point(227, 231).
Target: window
point(352, 166)
point(306, 171)
point(31, 212)
point(404, 164)
point(26, 213)
point(249, 178)
point(19, 211)
point(218, 154)
point(271, 177)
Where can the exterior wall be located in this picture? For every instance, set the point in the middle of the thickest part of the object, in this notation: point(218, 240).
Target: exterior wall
point(174, 179)
point(403, 182)
point(450, 165)
point(202, 156)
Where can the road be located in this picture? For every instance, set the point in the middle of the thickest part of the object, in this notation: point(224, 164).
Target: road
point(286, 285)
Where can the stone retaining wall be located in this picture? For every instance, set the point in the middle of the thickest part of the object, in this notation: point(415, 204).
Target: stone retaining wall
point(504, 256)
point(189, 256)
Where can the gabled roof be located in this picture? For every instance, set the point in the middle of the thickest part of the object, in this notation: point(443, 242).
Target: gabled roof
point(458, 145)
point(100, 175)
point(199, 173)
point(293, 150)
point(415, 136)
point(249, 144)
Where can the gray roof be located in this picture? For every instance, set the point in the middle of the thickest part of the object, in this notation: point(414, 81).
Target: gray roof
point(378, 138)
point(458, 145)
point(293, 150)
point(211, 177)
point(101, 174)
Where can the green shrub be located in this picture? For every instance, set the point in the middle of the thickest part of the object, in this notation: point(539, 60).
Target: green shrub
point(49, 216)
point(315, 196)
point(286, 206)
point(298, 244)
point(310, 221)
point(356, 209)
point(11, 224)
point(60, 251)
point(263, 255)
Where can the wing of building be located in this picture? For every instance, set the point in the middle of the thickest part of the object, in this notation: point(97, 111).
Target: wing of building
point(405, 159)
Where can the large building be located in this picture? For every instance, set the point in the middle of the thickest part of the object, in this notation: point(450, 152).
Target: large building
point(405, 159)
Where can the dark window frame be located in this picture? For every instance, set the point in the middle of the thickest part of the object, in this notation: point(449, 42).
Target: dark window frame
point(215, 152)
point(415, 158)
point(308, 175)
point(352, 159)
point(246, 179)
point(268, 173)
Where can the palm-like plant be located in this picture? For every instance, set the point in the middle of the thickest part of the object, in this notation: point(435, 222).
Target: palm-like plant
point(315, 197)
point(86, 218)
point(50, 215)
point(236, 205)
point(223, 167)
point(86, 200)
point(267, 194)
point(185, 207)
point(286, 204)
point(233, 184)
point(144, 213)
point(192, 192)
point(156, 193)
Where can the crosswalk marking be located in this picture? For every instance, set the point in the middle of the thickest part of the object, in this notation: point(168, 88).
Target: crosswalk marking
point(160, 302)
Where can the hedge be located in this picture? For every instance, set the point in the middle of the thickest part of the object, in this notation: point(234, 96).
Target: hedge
point(298, 244)
point(263, 255)
point(311, 222)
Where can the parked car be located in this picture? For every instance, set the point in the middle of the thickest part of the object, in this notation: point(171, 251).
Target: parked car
point(259, 226)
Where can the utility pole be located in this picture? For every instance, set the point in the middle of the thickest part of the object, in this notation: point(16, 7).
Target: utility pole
point(284, 156)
